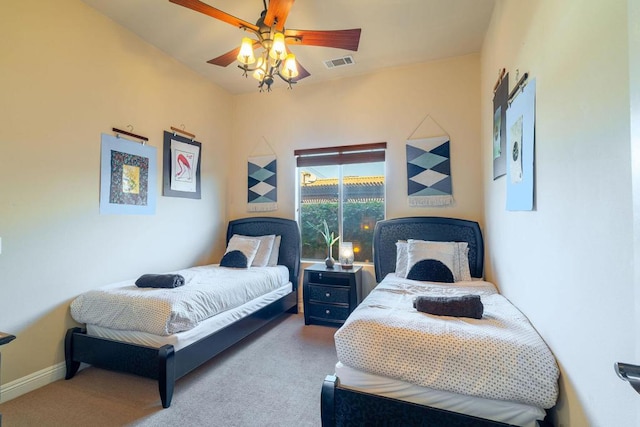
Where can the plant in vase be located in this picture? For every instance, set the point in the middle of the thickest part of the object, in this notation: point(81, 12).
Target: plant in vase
point(329, 239)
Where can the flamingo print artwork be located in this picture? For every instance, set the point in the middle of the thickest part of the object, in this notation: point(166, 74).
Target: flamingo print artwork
point(184, 170)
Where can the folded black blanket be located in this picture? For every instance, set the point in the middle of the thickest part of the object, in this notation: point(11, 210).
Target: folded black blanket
point(160, 281)
point(462, 306)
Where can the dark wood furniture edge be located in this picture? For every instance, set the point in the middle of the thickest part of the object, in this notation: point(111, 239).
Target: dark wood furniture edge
point(343, 407)
point(166, 365)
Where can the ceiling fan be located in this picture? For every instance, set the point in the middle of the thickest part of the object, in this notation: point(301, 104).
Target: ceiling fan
point(272, 37)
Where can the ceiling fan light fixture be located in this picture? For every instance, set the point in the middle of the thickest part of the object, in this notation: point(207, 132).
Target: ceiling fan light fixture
point(261, 70)
point(245, 55)
point(278, 49)
point(269, 31)
point(290, 69)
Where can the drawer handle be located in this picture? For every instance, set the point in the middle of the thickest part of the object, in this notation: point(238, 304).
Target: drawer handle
point(328, 294)
point(327, 311)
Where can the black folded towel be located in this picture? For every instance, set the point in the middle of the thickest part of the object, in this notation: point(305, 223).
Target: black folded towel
point(160, 281)
point(462, 306)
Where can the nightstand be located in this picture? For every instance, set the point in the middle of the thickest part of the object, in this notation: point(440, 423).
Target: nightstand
point(330, 295)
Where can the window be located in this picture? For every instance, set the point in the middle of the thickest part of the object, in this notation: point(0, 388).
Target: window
point(345, 187)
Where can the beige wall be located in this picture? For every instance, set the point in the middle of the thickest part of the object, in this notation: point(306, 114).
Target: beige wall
point(67, 74)
point(568, 265)
point(386, 106)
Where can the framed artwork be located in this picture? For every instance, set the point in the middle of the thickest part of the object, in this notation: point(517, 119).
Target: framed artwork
point(181, 166)
point(127, 177)
point(521, 119)
point(500, 103)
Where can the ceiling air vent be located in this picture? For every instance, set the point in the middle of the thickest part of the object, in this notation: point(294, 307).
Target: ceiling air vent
point(339, 62)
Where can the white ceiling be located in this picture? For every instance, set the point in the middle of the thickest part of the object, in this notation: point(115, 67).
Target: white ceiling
point(394, 32)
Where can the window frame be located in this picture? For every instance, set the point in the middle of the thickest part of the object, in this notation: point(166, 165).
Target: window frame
point(338, 156)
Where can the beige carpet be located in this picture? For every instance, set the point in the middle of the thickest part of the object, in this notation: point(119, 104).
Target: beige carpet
point(272, 378)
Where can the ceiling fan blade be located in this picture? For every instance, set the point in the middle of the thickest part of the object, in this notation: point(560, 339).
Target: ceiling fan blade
point(226, 58)
point(277, 12)
point(302, 72)
point(341, 39)
point(201, 7)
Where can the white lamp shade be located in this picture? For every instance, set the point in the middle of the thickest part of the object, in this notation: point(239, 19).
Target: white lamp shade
point(278, 48)
point(290, 69)
point(261, 70)
point(245, 55)
point(346, 254)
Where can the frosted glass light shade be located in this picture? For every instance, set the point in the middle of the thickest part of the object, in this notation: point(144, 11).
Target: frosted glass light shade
point(261, 70)
point(278, 49)
point(245, 55)
point(290, 69)
point(346, 254)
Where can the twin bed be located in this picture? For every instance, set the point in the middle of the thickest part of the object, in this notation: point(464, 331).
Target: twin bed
point(403, 367)
point(164, 334)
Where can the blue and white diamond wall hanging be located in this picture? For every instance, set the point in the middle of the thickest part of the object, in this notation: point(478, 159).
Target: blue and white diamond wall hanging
point(262, 193)
point(429, 172)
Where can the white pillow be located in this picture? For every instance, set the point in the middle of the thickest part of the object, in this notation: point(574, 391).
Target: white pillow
point(264, 250)
point(275, 251)
point(418, 250)
point(247, 245)
point(402, 259)
point(455, 255)
point(461, 262)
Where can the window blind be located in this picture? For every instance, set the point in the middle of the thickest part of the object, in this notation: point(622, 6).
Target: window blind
point(346, 154)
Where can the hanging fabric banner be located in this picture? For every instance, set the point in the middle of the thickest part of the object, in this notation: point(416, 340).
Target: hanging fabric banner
point(262, 184)
point(429, 172)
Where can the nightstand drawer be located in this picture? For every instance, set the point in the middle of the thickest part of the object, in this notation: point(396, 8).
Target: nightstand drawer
point(328, 312)
point(329, 294)
point(328, 279)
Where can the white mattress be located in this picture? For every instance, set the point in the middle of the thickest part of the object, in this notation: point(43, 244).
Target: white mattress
point(183, 339)
point(497, 410)
point(207, 291)
point(500, 356)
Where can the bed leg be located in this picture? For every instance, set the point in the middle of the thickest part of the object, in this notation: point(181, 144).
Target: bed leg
point(327, 401)
point(166, 374)
point(72, 366)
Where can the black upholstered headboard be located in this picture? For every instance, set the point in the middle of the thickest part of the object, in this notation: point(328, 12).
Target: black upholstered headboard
point(290, 246)
point(439, 229)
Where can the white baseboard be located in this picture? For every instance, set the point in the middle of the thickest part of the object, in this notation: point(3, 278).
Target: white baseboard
point(32, 382)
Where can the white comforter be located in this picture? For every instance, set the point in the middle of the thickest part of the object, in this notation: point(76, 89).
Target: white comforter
point(500, 356)
point(208, 290)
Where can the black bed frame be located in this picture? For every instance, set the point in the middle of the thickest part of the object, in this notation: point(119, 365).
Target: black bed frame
point(167, 365)
point(346, 407)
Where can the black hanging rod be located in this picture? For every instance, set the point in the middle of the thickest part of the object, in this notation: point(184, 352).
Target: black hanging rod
point(124, 132)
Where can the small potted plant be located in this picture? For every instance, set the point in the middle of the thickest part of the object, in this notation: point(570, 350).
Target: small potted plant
point(330, 240)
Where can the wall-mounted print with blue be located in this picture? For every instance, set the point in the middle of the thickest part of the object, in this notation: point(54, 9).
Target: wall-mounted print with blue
point(127, 177)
